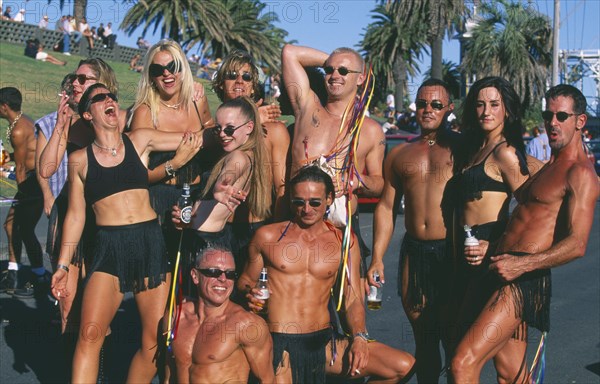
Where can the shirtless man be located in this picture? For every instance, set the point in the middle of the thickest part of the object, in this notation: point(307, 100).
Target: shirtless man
point(316, 129)
point(303, 259)
point(217, 340)
point(560, 198)
point(419, 170)
point(28, 202)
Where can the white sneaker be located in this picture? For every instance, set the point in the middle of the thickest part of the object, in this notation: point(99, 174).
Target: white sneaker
point(67, 53)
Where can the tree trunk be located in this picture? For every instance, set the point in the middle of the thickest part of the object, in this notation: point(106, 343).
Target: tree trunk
point(436, 56)
point(399, 74)
point(80, 9)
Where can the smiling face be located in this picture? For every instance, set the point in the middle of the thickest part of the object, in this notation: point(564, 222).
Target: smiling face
point(168, 84)
point(341, 86)
point(235, 87)
point(428, 117)
point(304, 195)
point(490, 110)
point(102, 108)
point(232, 118)
point(214, 290)
point(89, 79)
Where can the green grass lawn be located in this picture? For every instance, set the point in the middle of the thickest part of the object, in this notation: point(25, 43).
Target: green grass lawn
point(39, 83)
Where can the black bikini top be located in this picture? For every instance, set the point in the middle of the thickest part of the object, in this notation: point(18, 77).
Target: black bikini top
point(475, 180)
point(102, 181)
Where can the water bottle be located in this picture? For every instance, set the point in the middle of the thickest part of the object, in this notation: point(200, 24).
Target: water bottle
point(3, 154)
point(470, 240)
point(263, 286)
point(375, 294)
point(185, 204)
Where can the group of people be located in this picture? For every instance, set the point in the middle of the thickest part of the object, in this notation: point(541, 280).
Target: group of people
point(265, 197)
point(19, 17)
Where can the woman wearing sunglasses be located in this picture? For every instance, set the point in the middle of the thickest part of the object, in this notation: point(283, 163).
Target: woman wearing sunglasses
point(490, 167)
point(242, 170)
point(54, 144)
point(110, 175)
point(166, 101)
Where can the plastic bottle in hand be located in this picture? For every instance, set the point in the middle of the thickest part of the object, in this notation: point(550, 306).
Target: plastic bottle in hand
point(185, 204)
point(263, 286)
point(470, 240)
point(375, 294)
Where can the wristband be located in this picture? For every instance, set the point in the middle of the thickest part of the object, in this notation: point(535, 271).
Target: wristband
point(169, 169)
point(363, 335)
point(63, 267)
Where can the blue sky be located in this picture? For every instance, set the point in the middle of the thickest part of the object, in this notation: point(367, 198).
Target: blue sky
point(330, 24)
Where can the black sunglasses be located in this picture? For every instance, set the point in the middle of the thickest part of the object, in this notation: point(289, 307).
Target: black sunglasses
point(229, 130)
point(102, 96)
point(343, 71)
point(81, 79)
point(560, 116)
point(246, 76)
point(438, 106)
point(312, 202)
point(156, 70)
point(216, 273)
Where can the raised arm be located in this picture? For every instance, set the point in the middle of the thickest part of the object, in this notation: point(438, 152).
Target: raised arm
point(279, 140)
point(373, 136)
point(293, 61)
point(44, 184)
point(384, 218)
point(258, 347)
point(74, 221)
point(56, 147)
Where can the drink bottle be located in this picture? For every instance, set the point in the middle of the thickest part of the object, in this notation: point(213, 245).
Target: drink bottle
point(375, 294)
point(3, 154)
point(470, 240)
point(263, 286)
point(185, 204)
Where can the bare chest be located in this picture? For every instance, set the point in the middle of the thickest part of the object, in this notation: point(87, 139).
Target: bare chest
point(425, 165)
point(215, 342)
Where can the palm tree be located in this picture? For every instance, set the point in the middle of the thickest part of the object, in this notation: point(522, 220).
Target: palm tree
point(450, 75)
point(513, 42)
point(79, 8)
point(179, 19)
point(251, 30)
point(441, 17)
point(393, 47)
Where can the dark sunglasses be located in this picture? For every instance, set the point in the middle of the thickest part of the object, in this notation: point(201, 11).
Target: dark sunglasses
point(246, 76)
point(438, 106)
point(312, 202)
point(81, 79)
point(216, 273)
point(229, 130)
point(102, 96)
point(156, 70)
point(343, 71)
point(560, 116)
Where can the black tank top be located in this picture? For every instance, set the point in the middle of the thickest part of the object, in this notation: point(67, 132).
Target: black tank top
point(102, 182)
point(475, 180)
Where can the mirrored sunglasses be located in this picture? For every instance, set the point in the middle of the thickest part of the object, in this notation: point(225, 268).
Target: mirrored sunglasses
point(312, 202)
point(246, 76)
point(216, 273)
point(438, 106)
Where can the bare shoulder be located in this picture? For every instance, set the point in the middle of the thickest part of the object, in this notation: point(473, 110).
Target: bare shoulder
point(79, 159)
point(240, 158)
point(141, 118)
point(582, 175)
point(270, 232)
point(371, 132)
point(276, 130)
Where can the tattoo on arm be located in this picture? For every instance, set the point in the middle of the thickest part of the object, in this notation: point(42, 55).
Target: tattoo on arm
point(315, 120)
point(382, 142)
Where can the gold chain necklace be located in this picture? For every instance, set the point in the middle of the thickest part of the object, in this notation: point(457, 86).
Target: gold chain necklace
point(113, 151)
point(172, 106)
point(12, 125)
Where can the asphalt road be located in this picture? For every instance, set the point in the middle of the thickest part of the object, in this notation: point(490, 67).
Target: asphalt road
point(28, 339)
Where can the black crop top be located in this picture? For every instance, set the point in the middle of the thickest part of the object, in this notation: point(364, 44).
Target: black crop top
point(102, 182)
point(475, 180)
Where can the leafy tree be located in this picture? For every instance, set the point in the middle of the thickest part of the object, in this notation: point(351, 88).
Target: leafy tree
point(513, 42)
point(393, 47)
point(451, 75)
point(79, 8)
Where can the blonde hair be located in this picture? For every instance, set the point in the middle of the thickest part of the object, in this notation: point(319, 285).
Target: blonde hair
point(104, 73)
point(147, 93)
point(233, 63)
point(260, 180)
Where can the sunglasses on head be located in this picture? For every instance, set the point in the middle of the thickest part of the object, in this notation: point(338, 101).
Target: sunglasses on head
point(229, 130)
point(216, 273)
point(438, 106)
point(246, 76)
point(156, 70)
point(81, 79)
point(343, 71)
point(560, 116)
point(312, 202)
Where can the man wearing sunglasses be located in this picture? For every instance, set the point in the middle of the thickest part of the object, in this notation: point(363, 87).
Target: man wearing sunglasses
point(560, 200)
point(419, 171)
point(317, 127)
point(303, 258)
point(217, 341)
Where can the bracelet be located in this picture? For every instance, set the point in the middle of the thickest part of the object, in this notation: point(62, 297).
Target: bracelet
point(63, 267)
point(169, 169)
point(363, 335)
